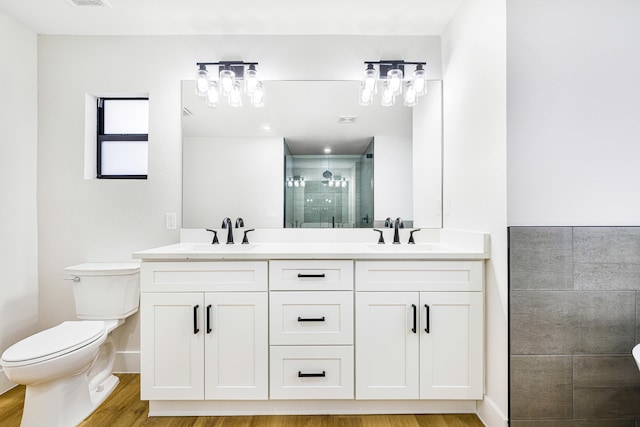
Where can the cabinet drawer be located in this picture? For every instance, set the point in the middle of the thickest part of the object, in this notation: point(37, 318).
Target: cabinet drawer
point(311, 318)
point(203, 276)
point(311, 275)
point(419, 275)
point(313, 372)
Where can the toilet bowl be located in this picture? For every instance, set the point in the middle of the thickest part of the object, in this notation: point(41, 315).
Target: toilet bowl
point(67, 369)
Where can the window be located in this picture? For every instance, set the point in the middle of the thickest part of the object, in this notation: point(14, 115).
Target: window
point(123, 138)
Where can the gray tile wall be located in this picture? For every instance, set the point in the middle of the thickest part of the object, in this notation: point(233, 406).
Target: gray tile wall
point(574, 318)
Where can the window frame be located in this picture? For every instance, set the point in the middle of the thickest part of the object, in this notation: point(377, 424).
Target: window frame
point(102, 137)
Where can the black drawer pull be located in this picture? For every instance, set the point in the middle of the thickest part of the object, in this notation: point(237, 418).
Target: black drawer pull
point(426, 329)
point(195, 319)
point(415, 318)
point(301, 375)
point(209, 319)
point(310, 319)
point(310, 275)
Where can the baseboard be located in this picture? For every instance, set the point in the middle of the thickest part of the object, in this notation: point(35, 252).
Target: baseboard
point(127, 362)
point(5, 384)
point(490, 414)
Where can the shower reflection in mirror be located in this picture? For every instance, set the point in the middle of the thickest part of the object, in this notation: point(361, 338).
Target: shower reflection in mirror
point(329, 190)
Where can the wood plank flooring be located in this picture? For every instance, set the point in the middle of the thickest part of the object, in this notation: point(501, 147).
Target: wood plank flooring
point(124, 408)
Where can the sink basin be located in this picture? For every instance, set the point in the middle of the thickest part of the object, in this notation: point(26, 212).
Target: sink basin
point(389, 247)
point(636, 354)
point(209, 248)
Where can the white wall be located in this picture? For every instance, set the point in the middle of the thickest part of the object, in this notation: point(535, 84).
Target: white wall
point(392, 178)
point(574, 112)
point(221, 179)
point(474, 172)
point(105, 220)
point(18, 163)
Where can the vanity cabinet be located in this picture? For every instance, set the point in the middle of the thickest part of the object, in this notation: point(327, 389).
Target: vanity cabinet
point(207, 345)
point(419, 330)
point(311, 329)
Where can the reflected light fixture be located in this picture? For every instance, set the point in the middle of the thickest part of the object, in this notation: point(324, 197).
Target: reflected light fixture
point(394, 81)
point(228, 82)
point(295, 181)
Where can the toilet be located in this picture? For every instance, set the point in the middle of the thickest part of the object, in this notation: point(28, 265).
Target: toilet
point(67, 369)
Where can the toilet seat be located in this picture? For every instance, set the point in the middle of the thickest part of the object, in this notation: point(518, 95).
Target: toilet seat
point(54, 342)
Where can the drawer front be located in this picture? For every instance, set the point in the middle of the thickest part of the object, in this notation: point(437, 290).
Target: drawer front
point(193, 276)
point(460, 276)
point(311, 275)
point(313, 372)
point(311, 318)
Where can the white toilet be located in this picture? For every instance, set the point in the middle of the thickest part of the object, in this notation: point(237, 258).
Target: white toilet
point(67, 369)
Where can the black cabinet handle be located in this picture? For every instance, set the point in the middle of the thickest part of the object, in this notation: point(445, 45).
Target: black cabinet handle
point(301, 375)
point(209, 319)
point(426, 329)
point(415, 318)
point(195, 319)
point(310, 275)
point(310, 319)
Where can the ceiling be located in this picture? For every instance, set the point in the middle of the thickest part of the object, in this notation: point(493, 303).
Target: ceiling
point(216, 17)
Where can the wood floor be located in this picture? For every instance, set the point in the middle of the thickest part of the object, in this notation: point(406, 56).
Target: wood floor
point(124, 408)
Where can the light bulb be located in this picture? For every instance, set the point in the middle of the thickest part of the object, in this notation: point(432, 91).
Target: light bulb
point(394, 77)
point(250, 80)
point(420, 80)
point(410, 95)
point(227, 81)
point(388, 97)
point(213, 100)
point(257, 97)
point(235, 97)
point(202, 81)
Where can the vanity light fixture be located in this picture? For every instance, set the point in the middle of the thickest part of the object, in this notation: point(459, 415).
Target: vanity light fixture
point(394, 82)
point(295, 181)
point(227, 82)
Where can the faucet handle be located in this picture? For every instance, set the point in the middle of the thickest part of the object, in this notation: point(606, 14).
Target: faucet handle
point(411, 241)
point(245, 240)
point(215, 236)
point(381, 239)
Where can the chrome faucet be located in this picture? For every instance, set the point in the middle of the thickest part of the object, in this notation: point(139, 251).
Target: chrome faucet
point(226, 223)
point(397, 224)
point(388, 223)
point(239, 222)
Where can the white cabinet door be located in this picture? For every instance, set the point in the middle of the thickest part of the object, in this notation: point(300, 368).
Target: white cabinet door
point(451, 356)
point(236, 345)
point(387, 345)
point(172, 346)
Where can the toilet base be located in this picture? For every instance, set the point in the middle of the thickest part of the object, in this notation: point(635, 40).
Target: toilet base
point(65, 402)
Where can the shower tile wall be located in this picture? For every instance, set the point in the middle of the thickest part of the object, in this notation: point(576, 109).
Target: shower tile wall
point(574, 318)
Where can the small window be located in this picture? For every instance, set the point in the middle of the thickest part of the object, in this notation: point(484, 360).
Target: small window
point(123, 138)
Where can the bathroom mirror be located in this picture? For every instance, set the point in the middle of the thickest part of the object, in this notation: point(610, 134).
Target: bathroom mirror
point(234, 158)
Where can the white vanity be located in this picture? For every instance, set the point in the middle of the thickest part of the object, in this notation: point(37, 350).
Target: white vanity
point(312, 326)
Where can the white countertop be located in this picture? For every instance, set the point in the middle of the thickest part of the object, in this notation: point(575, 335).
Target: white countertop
point(452, 245)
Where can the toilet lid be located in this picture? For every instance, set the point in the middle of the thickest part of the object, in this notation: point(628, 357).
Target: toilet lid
point(53, 342)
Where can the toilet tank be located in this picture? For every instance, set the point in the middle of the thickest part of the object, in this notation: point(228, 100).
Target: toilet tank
point(105, 290)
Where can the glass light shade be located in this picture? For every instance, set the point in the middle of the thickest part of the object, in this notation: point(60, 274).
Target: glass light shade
point(388, 97)
point(420, 81)
point(213, 99)
point(366, 95)
point(257, 97)
point(202, 81)
point(370, 78)
point(235, 97)
point(296, 183)
point(394, 77)
point(250, 80)
point(289, 182)
point(302, 182)
point(227, 81)
point(410, 95)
